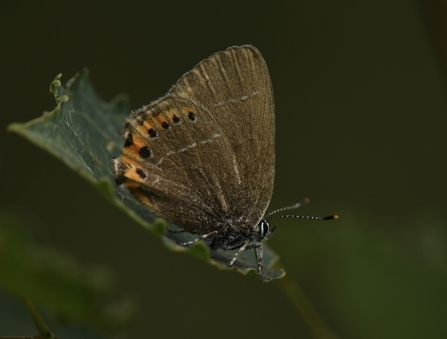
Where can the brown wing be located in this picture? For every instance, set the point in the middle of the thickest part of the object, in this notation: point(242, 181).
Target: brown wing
point(203, 155)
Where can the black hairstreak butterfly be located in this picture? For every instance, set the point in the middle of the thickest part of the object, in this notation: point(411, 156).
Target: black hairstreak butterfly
point(203, 156)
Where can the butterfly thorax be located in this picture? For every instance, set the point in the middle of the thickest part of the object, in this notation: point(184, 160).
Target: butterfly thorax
point(230, 238)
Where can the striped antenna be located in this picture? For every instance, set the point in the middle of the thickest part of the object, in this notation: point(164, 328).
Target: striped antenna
point(298, 204)
point(329, 217)
point(303, 202)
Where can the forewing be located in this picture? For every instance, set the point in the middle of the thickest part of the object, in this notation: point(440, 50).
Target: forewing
point(203, 155)
point(234, 87)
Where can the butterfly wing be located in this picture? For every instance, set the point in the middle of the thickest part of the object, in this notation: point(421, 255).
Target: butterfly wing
point(203, 156)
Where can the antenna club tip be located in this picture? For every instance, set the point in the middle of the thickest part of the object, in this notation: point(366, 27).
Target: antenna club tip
point(331, 217)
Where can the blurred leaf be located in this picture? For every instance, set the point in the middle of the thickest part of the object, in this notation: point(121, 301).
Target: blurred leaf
point(54, 280)
point(15, 320)
point(83, 132)
point(375, 282)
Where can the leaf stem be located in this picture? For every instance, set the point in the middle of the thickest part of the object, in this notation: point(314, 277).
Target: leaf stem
point(39, 323)
point(319, 328)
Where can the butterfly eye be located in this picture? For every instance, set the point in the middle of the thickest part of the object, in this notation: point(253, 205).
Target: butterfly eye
point(264, 228)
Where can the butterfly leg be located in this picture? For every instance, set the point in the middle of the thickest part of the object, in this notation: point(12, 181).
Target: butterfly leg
point(202, 237)
point(241, 249)
point(259, 251)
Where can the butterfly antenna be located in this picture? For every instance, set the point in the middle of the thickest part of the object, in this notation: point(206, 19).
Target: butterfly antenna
point(330, 217)
point(303, 202)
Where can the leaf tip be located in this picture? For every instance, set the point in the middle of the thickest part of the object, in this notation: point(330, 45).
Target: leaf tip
point(55, 84)
point(14, 127)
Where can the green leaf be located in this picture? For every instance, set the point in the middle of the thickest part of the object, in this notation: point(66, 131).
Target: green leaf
point(83, 131)
point(55, 280)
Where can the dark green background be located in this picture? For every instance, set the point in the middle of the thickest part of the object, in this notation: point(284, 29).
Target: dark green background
point(361, 130)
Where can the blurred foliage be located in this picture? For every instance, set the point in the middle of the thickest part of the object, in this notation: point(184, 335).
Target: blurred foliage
point(56, 282)
point(384, 285)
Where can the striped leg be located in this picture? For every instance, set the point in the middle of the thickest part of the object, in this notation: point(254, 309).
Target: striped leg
point(241, 249)
point(259, 251)
point(202, 237)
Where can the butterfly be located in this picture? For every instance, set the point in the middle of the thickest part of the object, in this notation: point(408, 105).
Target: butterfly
point(203, 156)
